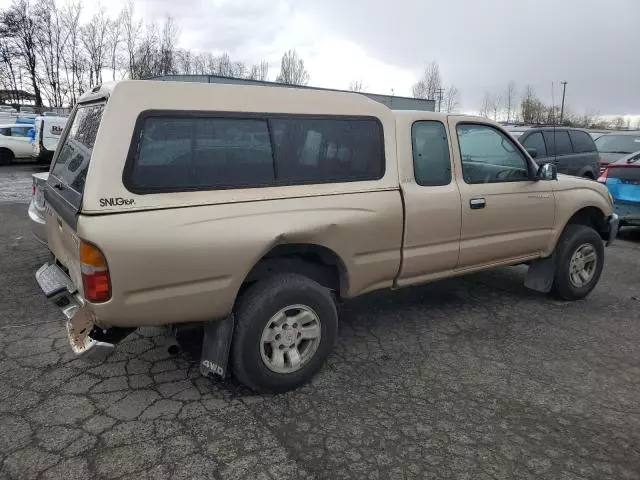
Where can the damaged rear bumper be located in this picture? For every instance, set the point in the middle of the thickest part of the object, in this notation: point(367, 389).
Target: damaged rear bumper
point(85, 338)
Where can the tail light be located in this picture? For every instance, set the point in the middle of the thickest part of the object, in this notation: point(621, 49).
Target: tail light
point(33, 187)
point(96, 283)
point(604, 172)
point(602, 164)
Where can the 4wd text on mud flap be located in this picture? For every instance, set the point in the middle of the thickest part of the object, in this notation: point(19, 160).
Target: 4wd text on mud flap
point(110, 202)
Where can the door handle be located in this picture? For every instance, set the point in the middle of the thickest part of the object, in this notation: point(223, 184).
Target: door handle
point(477, 203)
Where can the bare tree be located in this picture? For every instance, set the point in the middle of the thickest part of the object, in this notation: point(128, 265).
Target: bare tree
point(146, 57)
point(292, 70)
point(19, 29)
point(51, 41)
point(617, 123)
point(429, 85)
point(9, 70)
point(132, 31)
point(451, 99)
point(184, 61)
point(114, 39)
point(487, 103)
point(225, 67)
point(72, 60)
point(496, 105)
point(356, 85)
point(259, 71)
point(200, 61)
point(532, 109)
point(94, 39)
point(168, 46)
point(510, 99)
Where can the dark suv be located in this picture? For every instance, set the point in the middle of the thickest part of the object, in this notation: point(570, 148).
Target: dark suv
point(571, 150)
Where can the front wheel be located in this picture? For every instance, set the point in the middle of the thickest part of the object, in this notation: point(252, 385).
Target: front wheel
point(579, 262)
point(286, 326)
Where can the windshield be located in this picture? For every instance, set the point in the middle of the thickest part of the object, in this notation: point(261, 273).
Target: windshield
point(618, 143)
point(73, 160)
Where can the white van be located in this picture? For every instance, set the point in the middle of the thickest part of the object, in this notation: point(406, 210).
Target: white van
point(47, 134)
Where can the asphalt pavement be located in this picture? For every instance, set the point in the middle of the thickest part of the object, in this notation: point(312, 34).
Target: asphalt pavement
point(468, 378)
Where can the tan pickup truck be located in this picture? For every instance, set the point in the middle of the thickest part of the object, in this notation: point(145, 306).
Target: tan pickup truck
point(249, 211)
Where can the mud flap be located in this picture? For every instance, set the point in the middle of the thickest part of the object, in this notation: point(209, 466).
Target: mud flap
point(216, 345)
point(540, 275)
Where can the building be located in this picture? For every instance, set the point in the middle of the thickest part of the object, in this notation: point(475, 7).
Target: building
point(391, 101)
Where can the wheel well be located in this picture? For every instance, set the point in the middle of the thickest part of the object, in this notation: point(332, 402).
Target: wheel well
point(314, 261)
point(8, 150)
point(590, 217)
point(588, 174)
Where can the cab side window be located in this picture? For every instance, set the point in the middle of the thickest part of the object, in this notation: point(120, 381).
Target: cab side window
point(19, 132)
point(489, 156)
point(559, 142)
point(431, 161)
point(536, 141)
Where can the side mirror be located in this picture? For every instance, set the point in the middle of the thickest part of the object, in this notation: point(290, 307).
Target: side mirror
point(533, 152)
point(548, 171)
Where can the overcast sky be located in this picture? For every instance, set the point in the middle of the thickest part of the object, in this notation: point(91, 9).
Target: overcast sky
point(480, 45)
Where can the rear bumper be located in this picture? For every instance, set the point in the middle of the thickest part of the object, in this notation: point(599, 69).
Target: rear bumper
point(613, 222)
point(85, 338)
point(629, 213)
point(38, 227)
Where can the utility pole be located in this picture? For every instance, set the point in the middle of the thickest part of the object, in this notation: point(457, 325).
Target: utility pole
point(440, 93)
point(564, 90)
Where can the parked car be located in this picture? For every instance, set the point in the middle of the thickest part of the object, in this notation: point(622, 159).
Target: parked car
point(622, 178)
point(14, 142)
point(517, 131)
point(572, 150)
point(46, 137)
point(37, 207)
point(260, 215)
point(614, 146)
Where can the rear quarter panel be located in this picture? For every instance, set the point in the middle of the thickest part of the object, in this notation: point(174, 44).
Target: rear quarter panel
point(187, 264)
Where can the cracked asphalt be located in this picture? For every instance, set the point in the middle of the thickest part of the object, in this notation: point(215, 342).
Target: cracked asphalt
point(473, 378)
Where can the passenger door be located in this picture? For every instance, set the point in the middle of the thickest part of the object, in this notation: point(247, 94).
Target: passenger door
point(432, 200)
point(506, 214)
point(18, 141)
point(536, 141)
point(561, 149)
point(586, 154)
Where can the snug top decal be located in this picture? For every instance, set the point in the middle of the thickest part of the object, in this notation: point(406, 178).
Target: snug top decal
point(116, 202)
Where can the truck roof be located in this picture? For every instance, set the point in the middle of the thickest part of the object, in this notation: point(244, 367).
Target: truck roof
point(300, 99)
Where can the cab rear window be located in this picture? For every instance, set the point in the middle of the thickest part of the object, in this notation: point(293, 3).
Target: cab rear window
point(74, 155)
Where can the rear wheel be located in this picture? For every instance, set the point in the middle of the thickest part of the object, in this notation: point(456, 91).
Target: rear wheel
point(286, 326)
point(579, 262)
point(6, 156)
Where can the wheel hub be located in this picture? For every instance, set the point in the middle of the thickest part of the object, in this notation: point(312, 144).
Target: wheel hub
point(290, 338)
point(582, 266)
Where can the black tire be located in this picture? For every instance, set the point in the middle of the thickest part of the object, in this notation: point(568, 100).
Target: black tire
point(6, 156)
point(573, 237)
point(253, 312)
